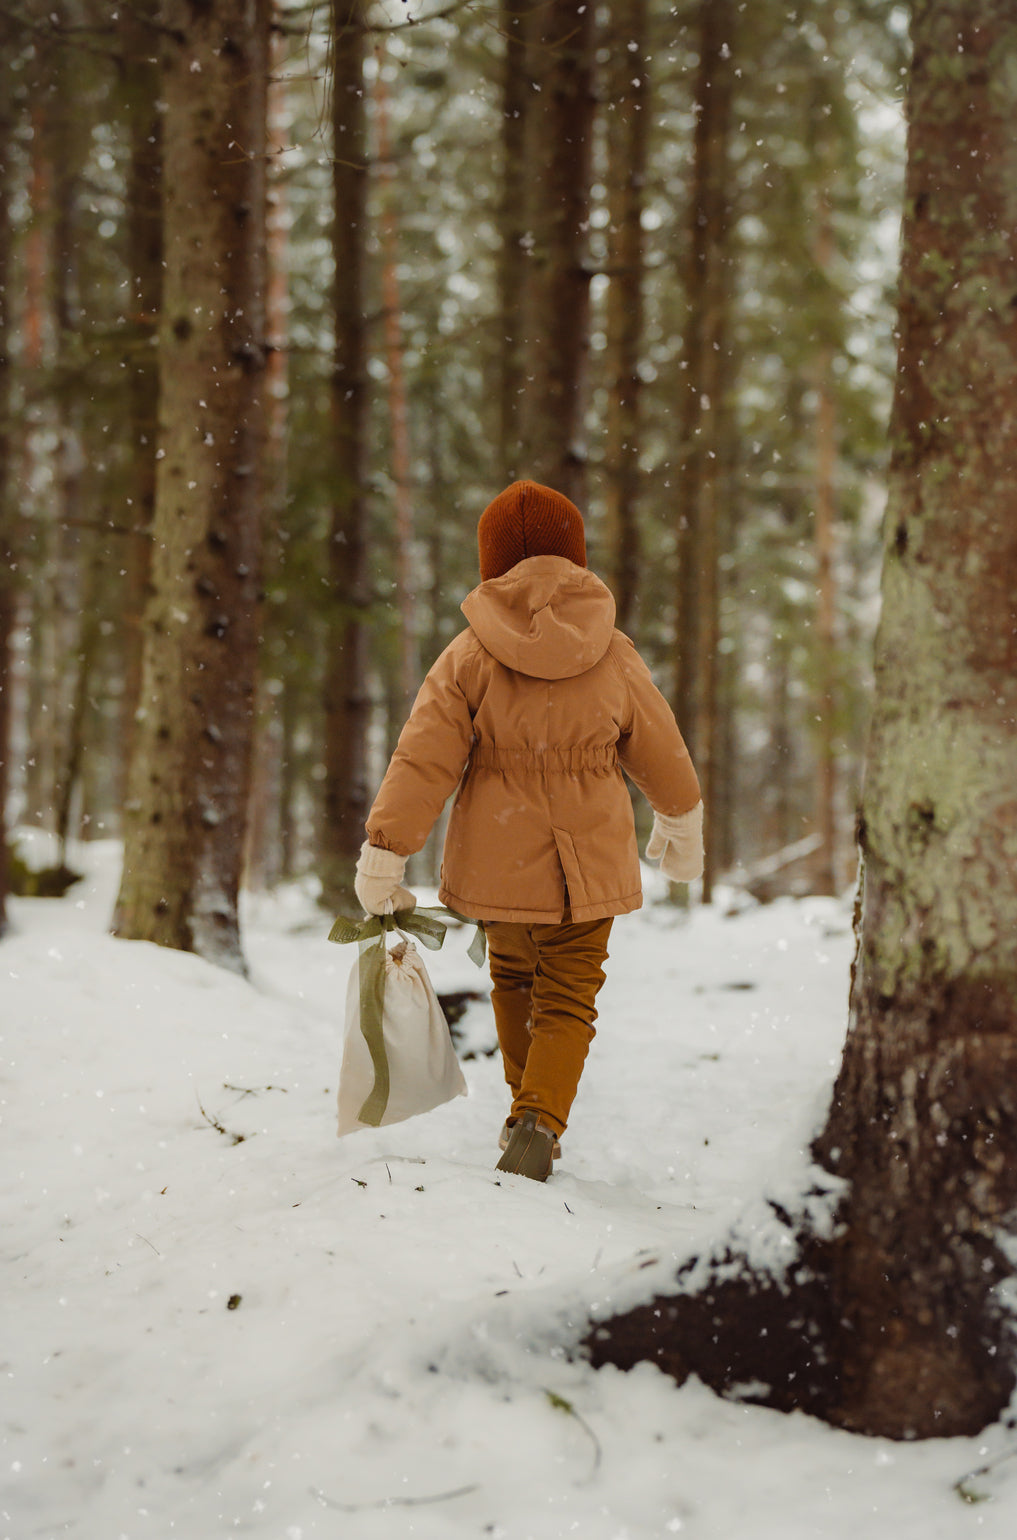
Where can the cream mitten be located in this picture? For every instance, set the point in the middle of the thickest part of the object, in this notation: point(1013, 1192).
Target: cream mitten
point(379, 873)
point(678, 841)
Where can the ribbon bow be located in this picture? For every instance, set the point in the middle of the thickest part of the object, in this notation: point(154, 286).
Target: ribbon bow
point(430, 927)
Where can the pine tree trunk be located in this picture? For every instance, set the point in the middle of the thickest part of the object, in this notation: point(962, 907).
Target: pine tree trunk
point(347, 704)
point(144, 218)
point(7, 542)
point(71, 546)
point(892, 1327)
point(40, 757)
point(518, 98)
point(704, 383)
point(629, 123)
point(189, 773)
point(263, 860)
point(398, 405)
point(53, 599)
point(825, 880)
point(559, 158)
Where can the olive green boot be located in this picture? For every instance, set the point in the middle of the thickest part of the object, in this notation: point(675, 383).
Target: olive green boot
point(530, 1149)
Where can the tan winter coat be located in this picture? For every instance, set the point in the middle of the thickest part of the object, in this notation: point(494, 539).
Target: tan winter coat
point(535, 709)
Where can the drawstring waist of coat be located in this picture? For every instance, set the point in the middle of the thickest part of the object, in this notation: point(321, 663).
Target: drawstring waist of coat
point(550, 761)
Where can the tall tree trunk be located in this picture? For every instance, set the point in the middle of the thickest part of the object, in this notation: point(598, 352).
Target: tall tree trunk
point(47, 607)
point(189, 773)
point(892, 1326)
point(559, 157)
point(825, 880)
point(145, 254)
point(723, 763)
point(7, 541)
point(398, 406)
point(71, 546)
point(628, 91)
point(36, 331)
point(705, 380)
point(347, 704)
point(516, 26)
point(263, 861)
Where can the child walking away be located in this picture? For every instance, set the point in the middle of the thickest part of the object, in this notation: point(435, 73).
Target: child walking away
point(535, 710)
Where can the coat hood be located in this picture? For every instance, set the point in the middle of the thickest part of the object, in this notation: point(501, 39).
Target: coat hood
point(545, 617)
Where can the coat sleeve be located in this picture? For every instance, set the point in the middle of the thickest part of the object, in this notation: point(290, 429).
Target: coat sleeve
point(651, 749)
point(430, 756)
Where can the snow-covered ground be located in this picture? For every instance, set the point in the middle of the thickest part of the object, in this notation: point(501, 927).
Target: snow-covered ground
point(290, 1336)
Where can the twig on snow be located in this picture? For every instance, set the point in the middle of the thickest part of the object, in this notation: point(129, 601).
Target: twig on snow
point(253, 1090)
point(234, 1138)
point(390, 1502)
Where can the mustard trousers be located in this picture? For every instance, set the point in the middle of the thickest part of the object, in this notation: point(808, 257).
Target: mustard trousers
point(545, 979)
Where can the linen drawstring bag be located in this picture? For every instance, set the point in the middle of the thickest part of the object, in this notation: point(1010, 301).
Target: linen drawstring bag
point(398, 1058)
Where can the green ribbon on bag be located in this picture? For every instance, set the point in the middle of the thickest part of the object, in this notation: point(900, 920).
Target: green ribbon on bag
point(430, 927)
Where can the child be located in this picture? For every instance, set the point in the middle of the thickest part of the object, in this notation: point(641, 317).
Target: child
point(534, 711)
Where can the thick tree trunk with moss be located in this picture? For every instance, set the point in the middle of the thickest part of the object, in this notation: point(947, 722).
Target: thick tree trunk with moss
point(188, 780)
point(347, 705)
point(924, 1115)
point(892, 1327)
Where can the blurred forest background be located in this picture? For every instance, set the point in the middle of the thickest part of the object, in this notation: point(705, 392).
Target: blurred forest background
point(642, 251)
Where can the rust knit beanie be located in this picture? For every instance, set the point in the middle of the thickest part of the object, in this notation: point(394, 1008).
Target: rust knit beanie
point(528, 520)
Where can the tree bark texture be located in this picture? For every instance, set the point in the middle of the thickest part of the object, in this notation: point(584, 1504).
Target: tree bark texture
point(347, 705)
point(71, 547)
point(398, 404)
point(891, 1326)
point(35, 338)
point(924, 1116)
point(145, 257)
point(516, 22)
point(705, 381)
point(262, 862)
point(51, 339)
point(826, 875)
point(628, 118)
point(189, 773)
point(557, 311)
